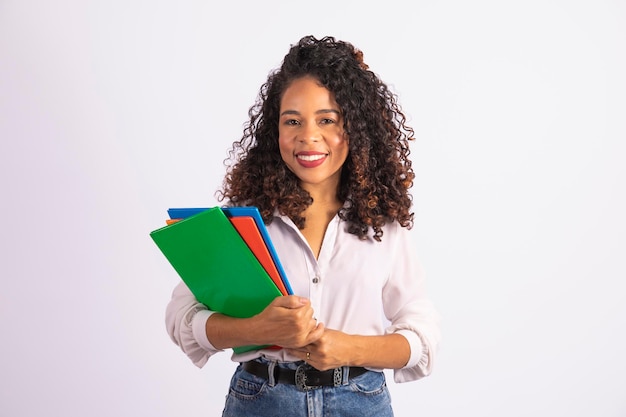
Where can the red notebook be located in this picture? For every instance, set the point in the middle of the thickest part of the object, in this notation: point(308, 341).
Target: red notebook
point(248, 230)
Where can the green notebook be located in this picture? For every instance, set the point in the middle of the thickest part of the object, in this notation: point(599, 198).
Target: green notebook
point(216, 264)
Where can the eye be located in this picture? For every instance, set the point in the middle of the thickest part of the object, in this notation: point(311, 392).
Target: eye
point(291, 122)
point(327, 121)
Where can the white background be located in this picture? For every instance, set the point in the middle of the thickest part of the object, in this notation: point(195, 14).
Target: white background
point(112, 111)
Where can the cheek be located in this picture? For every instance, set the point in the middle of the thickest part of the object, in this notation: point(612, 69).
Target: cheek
point(285, 149)
point(342, 146)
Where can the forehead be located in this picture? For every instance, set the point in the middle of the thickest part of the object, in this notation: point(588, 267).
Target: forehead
point(307, 92)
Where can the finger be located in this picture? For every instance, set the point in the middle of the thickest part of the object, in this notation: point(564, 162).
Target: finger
point(290, 301)
point(316, 333)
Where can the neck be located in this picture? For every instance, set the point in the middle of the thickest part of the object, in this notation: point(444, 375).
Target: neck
point(324, 193)
point(324, 199)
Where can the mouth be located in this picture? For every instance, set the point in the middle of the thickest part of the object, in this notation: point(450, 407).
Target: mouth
point(311, 159)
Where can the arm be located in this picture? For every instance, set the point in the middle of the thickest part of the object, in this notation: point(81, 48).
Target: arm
point(335, 349)
point(201, 333)
point(410, 311)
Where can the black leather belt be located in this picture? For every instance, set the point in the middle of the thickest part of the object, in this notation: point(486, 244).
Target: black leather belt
point(305, 377)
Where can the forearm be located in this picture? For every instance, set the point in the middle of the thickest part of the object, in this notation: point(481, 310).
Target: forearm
point(227, 332)
point(390, 351)
point(336, 348)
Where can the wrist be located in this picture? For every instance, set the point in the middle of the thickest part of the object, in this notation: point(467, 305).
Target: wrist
point(227, 332)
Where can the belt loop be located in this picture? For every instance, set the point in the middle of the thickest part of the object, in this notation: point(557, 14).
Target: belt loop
point(346, 375)
point(271, 378)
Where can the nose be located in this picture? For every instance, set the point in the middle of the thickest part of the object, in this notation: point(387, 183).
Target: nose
point(310, 132)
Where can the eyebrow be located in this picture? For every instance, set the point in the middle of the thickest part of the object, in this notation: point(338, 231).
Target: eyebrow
point(321, 111)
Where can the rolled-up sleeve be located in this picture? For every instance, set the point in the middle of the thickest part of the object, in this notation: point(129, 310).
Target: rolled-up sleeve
point(410, 312)
point(185, 320)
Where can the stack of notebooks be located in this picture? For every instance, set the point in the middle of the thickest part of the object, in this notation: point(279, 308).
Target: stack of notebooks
point(226, 258)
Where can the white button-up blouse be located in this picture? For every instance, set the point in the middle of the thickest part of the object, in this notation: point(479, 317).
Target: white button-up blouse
point(356, 286)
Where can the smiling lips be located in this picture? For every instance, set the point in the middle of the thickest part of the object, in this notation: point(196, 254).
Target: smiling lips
point(311, 159)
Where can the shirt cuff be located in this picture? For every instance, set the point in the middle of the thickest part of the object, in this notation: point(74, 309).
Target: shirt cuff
point(198, 327)
point(415, 343)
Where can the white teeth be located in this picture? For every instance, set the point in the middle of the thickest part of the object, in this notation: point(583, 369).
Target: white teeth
point(311, 157)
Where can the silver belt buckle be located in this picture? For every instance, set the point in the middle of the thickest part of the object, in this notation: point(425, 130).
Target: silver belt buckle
point(301, 378)
point(337, 376)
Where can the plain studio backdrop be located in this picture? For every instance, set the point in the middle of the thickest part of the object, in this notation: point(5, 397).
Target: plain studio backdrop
point(113, 111)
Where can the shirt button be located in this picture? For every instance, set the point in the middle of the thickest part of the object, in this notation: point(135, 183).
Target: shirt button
point(316, 280)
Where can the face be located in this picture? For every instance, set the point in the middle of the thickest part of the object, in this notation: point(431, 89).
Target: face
point(311, 136)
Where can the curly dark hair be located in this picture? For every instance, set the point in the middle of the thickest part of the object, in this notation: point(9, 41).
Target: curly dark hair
point(377, 173)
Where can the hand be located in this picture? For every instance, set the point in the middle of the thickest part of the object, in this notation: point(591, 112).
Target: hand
point(288, 322)
point(332, 350)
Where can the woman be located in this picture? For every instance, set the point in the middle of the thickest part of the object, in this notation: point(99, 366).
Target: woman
point(325, 159)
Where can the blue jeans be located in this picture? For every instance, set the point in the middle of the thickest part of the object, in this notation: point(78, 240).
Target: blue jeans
point(363, 396)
